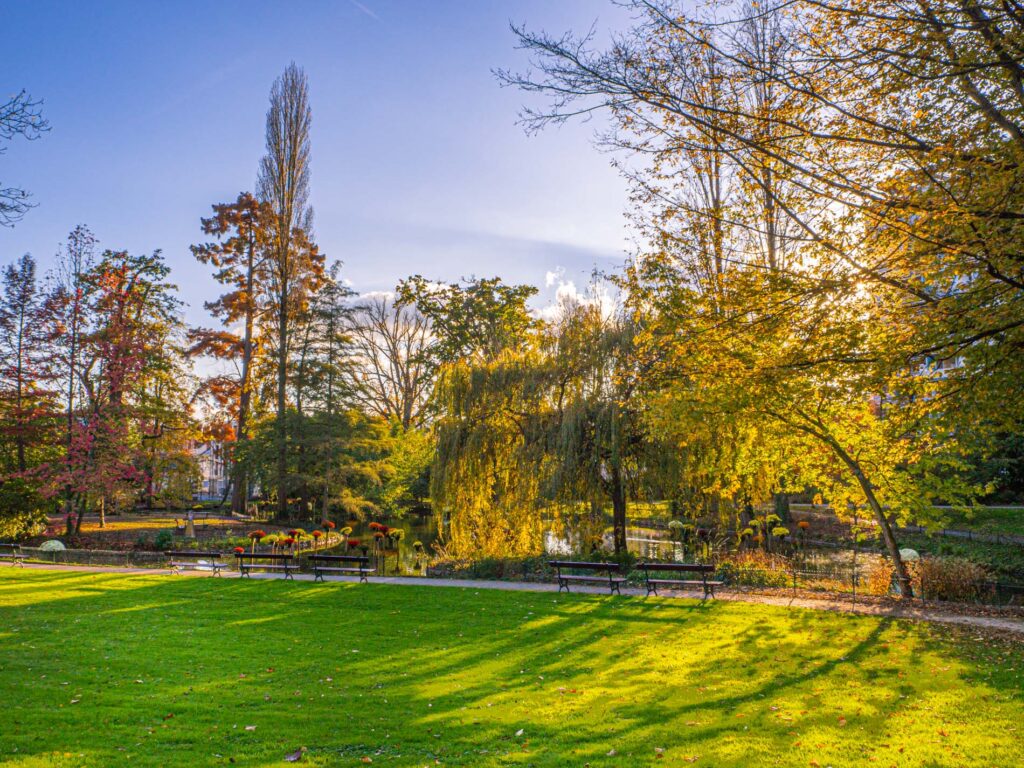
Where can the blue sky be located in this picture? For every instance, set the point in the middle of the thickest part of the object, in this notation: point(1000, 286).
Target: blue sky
point(157, 111)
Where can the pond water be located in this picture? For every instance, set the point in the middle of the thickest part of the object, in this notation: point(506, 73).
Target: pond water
point(646, 543)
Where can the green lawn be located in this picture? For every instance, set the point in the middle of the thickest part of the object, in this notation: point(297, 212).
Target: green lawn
point(992, 520)
point(104, 669)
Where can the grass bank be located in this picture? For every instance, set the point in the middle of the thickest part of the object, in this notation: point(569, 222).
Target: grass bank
point(106, 669)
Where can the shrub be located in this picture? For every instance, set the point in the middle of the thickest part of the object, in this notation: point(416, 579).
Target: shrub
point(879, 578)
point(755, 568)
point(953, 579)
point(523, 568)
point(22, 509)
point(163, 541)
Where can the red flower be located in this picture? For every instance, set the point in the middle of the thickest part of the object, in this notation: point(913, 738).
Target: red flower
point(293, 532)
point(353, 543)
point(378, 535)
point(804, 524)
point(329, 525)
point(288, 542)
point(257, 534)
point(317, 534)
point(239, 550)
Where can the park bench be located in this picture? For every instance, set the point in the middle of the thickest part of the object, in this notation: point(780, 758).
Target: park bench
point(188, 560)
point(11, 553)
point(271, 563)
point(703, 571)
point(337, 564)
point(613, 574)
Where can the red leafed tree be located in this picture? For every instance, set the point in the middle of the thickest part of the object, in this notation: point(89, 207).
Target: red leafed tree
point(239, 256)
point(130, 308)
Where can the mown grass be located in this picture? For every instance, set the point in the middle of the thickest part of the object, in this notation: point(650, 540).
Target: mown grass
point(1007, 521)
point(106, 669)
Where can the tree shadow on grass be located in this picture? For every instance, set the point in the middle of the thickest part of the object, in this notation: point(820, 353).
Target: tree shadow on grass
point(407, 675)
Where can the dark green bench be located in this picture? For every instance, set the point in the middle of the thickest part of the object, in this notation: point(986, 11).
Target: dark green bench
point(703, 571)
point(567, 574)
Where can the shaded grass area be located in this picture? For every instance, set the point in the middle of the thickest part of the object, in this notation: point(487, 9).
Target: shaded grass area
point(1005, 561)
point(106, 669)
point(1008, 521)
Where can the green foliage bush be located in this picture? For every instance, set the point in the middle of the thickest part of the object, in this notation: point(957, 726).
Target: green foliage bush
point(518, 569)
point(22, 509)
point(164, 540)
point(755, 569)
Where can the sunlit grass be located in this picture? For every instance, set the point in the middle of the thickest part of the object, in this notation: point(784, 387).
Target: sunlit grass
point(105, 669)
point(152, 523)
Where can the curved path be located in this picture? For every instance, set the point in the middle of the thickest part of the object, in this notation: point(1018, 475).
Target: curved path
point(836, 604)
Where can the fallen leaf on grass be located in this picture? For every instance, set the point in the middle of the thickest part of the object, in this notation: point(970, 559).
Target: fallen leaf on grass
point(250, 727)
point(295, 756)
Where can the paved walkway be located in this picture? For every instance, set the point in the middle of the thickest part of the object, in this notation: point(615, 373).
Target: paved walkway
point(835, 604)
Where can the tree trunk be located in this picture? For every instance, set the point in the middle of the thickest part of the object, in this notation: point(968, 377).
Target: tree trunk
point(618, 489)
point(240, 481)
point(618, 494)
point(282, 381)
point(902, 575)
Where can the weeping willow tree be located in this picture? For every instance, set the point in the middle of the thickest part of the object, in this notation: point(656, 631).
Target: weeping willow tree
point(486, 478)
point(596, 448)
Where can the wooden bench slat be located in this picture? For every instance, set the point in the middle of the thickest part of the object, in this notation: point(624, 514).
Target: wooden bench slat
point(326, 569)
point(271, 567)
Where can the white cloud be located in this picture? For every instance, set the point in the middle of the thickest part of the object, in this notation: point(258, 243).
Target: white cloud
point(567, 294)
point(552, 277)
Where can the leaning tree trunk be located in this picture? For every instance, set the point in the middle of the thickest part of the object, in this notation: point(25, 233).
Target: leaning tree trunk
point(888, 536)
